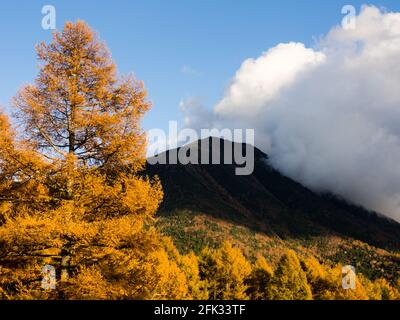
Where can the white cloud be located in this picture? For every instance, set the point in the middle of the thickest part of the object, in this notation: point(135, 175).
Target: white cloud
point(328, 116)
point(258, 81)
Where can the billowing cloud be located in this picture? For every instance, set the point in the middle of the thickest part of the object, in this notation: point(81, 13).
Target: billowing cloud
point(328, 116)
point(259, 81)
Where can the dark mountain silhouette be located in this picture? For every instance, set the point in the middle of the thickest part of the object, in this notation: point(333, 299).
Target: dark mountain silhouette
point(266, 201)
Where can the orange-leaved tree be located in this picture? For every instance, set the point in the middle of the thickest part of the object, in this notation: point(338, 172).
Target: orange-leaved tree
point(71, 193)
point(290, 280)
point(224, 271)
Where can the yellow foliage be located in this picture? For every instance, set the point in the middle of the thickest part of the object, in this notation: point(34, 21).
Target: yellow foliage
point(333, 289)
point(260, 280)
point(72, 196)
point(290, 281)
point(88, 284)
point(78, 104)
point(386, 291)
point(225, 271)
point(197, 288)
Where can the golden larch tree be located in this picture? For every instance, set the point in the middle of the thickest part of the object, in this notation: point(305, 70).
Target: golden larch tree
point(225, 271)
point(290, 280)
point(260, 280)
point(72, 194)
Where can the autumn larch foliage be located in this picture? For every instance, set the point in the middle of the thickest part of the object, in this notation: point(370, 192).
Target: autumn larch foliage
point(225, 271)
point(70, 189)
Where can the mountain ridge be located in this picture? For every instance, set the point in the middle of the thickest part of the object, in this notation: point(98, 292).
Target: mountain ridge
point(266, 201)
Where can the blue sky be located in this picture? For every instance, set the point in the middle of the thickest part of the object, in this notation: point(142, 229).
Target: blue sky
point(157, 39)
